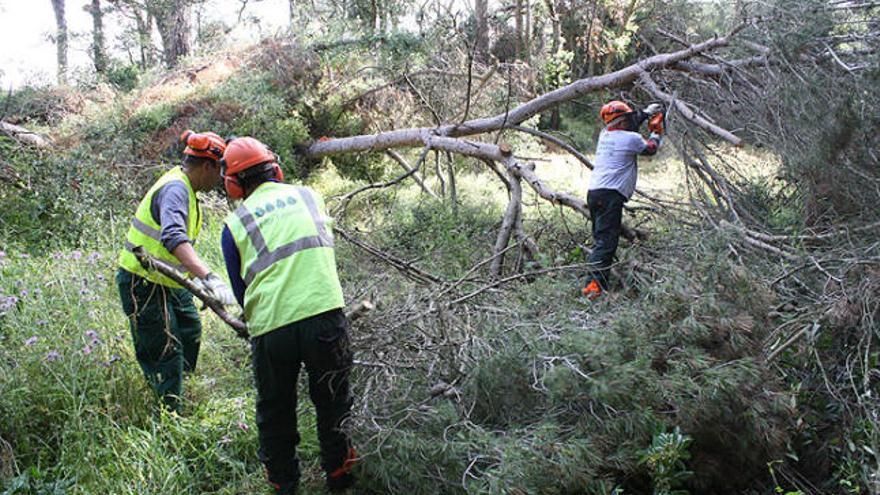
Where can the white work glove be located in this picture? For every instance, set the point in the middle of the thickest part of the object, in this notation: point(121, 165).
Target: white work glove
point(653, 108)
point(217, 288)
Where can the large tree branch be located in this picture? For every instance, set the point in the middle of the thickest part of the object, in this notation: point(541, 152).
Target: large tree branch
point(416, 136)
point(689, 114)
point(23, 135)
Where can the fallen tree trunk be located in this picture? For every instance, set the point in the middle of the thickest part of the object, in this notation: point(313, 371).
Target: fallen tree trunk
point(416, 136)
point(23, 135)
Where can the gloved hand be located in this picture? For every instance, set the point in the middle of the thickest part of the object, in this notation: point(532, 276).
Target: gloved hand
point(655, 124)
point(217, 288)
point(653, 108)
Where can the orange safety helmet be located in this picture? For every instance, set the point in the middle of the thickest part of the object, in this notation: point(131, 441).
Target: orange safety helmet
point(242, 154)
point(614, 109)
point(204, 145)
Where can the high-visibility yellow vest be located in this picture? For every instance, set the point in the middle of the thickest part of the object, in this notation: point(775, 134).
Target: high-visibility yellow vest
point(285, 241)
point(146, 232)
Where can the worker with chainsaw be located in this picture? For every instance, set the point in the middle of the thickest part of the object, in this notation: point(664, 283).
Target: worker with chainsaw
point(165, 326)
point(613, 181)
point(278, 247)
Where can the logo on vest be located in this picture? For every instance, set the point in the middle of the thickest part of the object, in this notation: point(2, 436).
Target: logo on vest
point(278, 204)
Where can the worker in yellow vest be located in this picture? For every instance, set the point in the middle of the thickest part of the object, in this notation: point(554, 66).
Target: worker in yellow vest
point(278, 248)
point(165, 326)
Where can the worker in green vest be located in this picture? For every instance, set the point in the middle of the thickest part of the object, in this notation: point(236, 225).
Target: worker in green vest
point(165, 326)
point(278, 248)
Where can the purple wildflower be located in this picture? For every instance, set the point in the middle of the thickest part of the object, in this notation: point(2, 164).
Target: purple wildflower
point(95, 256)
point(23, 293)
point(31, 341)
point(41, 322)
point(243, 426)
point(86, 350)
point(2, 254)
point(57, 255)
point(38, 291)
point(24, 256)
point(7, 303)
point(52, 356)
point(75, 255)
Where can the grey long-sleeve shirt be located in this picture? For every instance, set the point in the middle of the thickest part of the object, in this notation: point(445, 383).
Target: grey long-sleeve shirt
point(170, 209)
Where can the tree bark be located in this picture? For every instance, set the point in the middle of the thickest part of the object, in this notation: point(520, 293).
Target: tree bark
point(23, 135)
point(527, 32)
point(60, 39)
point(508, 224)
point(173, 21)
point(145, 38)
point(290, 14)
point(555, 119)
point(518, 30)
point(99, 54)
point(481, 30)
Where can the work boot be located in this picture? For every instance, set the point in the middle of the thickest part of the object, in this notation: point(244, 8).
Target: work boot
point(340, 483)
point(341, 479)
point(289, 488)
point(593, 290)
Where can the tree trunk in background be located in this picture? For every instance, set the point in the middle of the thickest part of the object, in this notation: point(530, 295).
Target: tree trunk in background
point(481, 30)
point(173, 20)
point(60, 39)
point(518, 34)
point(554, 47)
point(591, 66)
point(290, 13)
point(143, 20)
point(374, 16)
point(99, 54)
point(527, 32)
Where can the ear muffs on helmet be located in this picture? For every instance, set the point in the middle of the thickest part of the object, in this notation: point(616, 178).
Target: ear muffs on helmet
point(205, 145)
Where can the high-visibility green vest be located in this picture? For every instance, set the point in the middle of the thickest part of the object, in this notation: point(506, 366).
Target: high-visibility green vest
point(285, 241)
point(146, 232)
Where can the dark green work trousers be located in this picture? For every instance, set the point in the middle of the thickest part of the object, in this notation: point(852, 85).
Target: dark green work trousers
point(166, 332)
point(320, 343)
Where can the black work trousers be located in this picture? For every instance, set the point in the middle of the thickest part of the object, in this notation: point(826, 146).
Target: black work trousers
point(321, 343)
point(606, 212)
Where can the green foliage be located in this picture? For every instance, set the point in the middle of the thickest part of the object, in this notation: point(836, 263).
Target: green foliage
point(665, 459)
point(51, 200)
point(450, 240)
point(123, 77)
point(77, 415)
point(557, 69)
point(40, 105)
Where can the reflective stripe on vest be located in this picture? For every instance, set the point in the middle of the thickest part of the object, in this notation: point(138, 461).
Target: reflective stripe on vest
point(144, 231)
point(288, 264)
point(265, 257)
